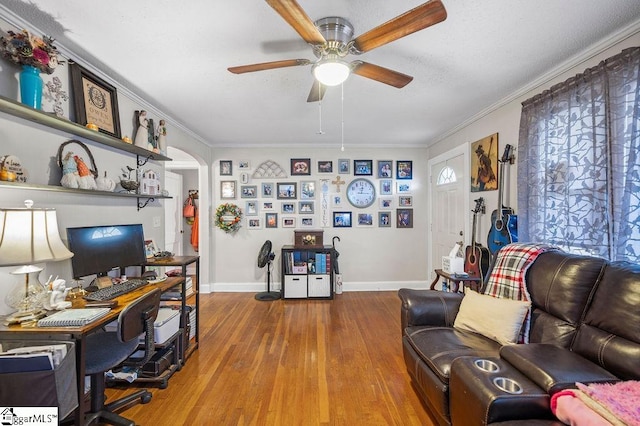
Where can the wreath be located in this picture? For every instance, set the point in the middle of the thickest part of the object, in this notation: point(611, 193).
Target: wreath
point(224, 220)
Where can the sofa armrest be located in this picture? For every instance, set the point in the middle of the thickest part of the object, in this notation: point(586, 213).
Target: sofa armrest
point(428, 307)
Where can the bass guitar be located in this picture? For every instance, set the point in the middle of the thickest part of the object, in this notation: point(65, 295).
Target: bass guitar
point(476, 259)
point(504, 222)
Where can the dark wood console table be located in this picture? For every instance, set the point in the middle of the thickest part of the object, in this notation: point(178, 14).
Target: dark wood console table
point(473, 283)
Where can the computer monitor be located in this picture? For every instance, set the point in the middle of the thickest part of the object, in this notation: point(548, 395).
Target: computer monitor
point(99, 249)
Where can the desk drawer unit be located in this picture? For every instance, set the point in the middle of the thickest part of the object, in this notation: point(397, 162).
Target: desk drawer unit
point(295, 286)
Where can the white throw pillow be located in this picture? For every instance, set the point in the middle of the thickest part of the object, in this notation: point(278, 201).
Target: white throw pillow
point(497, 319)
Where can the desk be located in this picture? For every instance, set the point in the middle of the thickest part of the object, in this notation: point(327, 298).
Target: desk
point(183, 262)
point(473, 283)
point(79, 334)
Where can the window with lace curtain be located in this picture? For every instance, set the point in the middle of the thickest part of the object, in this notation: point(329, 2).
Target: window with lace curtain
point(578, 165)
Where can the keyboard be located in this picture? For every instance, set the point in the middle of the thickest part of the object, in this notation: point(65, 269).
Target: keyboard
point(115, 290)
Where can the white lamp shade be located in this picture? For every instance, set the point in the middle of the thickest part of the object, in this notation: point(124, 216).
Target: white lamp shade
point(29, 236)
point(331, 72)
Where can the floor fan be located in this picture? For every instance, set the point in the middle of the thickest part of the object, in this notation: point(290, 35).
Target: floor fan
point(265, 257)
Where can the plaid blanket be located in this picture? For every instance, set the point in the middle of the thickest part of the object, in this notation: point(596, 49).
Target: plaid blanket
point(507, 279)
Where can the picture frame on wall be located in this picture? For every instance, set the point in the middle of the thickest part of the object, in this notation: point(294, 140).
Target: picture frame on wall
point(484, 164)
point(362, 167)
point(343, 166)
point(300, 166)
point(384, 219)
point(251, 208)
point(267, 205)
point(385, 169)
point(403, 187)
point(386, 186)
point(226, 167)
point(267, 190)
point(342, 219)
point(325, 166)
point(305, 207)
point(228, 189)
point(365, 219)
point(385, 203)
point(95, 101)
point(271, 220)
point(405, 201)
point(287, 190)
point(244, 165)
point(307, 222)
point(307, 190)
point(248, 191)
point(404, 169)
point(404, 218)
point(254, 223)
point(288, 222)
point(288, 208)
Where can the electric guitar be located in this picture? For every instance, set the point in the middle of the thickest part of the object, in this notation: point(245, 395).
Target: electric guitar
point(504, 222)
point(476, 259)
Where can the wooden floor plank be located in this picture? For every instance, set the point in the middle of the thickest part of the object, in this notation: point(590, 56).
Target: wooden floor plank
point(290, 362)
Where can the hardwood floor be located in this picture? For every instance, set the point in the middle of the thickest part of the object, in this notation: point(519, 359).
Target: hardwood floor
point(291, 362)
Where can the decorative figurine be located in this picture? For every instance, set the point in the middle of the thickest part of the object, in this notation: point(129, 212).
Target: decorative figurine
point(87, 180)
point(142, 131)
point(56, 297)
point(161, 137)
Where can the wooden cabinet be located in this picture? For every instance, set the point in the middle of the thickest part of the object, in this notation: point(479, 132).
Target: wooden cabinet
point(61, 125)
point(307, 272)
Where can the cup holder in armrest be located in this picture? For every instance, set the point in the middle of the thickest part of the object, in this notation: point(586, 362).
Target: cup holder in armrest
point(507, 385)
point(486, 365)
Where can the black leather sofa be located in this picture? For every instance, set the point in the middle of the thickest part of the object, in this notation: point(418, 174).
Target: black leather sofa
point(585, 326)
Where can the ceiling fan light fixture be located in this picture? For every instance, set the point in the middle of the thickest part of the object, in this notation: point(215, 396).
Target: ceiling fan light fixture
point(331, 72)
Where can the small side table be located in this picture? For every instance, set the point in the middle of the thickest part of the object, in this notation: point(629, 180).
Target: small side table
point(472, 282)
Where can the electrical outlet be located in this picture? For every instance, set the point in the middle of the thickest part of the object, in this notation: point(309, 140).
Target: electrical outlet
point(156, 221)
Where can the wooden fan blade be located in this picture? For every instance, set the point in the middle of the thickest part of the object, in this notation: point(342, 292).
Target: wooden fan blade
point(269, 65)
point(295, 16)
point(419, 18)
point(317, 91)
point(381, 74)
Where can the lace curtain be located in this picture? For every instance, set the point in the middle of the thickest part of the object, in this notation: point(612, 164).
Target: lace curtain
point(578, 165)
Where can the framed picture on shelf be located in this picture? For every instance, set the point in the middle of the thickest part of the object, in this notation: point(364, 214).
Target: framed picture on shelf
point(404, 169)
point(306, 222)
point(288, 222)
point(325, 166)
point(363, 167)
point(300, 166)
point(150, 248)
point(405, 201)
point(287, 190)
point(343, 166)
point(307, 190)
point(248, 191)
point(342, 219)
point(226, 167)
point(404, 218)
point(271, 220)
point(386, 187)
point(385, 169)
point(267, 189)
point(254, 223)
point(228, 189)
point(305, 207)
point(384, 219)
point(95, 101)
point(365, 219)
point(251, 208)
point(288, 208)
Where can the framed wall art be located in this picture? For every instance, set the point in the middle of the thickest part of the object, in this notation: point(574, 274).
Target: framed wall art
point(226, 167)
point(287, 190)
point(385, 169)
point(251, 208)
point(95, 101)
point(305, 207)
point(363, 167)
point(343, 166)
point(248, 191)
point(404, 218)
point(288, 222)
point(384, 219)
point(267, 190)
point(307, 190)
point(365, 219)
point(325, 166)
point(342, 219)
point(300, 166)
point(288, 208)
point(228, 189)
point(405, 201)
point(404, 169)
point(254, 223)
point(484, 164)
point(386, 186)
point(306, 222)
point(385, 203)
point(271, 220)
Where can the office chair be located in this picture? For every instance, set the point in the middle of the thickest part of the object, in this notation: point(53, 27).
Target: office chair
point(106, 350)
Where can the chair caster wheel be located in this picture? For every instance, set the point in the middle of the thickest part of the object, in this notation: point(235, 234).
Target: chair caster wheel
point(146, 399)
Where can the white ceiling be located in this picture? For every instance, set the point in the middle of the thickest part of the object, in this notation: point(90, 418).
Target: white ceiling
point(176, 54)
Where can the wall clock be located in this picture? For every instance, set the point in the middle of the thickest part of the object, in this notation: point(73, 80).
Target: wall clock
point(361, 193)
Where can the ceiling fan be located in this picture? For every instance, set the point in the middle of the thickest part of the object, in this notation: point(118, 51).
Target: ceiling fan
point(332, 40)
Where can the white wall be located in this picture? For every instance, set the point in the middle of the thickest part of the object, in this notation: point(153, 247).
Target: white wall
point(505, 120)
point(370, 257)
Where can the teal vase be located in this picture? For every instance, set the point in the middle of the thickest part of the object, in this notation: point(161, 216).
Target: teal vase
point(31, 87)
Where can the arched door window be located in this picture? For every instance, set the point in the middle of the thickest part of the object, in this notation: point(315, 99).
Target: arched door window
point(446, 175)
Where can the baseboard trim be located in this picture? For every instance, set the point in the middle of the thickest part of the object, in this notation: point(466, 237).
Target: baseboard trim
point(346, 286)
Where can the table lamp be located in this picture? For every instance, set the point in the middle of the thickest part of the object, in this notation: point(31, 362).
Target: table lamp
point(29, 236)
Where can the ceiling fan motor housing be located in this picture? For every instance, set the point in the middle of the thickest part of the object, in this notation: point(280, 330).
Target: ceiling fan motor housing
point(338, 32)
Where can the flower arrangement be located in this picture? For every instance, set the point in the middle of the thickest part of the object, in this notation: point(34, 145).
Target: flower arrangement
point(24, 48)
point(223, 215)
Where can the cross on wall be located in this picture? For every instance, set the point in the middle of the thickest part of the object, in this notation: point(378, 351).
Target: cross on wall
point(337, 183)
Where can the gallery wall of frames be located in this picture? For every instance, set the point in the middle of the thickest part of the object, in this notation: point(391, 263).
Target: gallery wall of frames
point(319, 193)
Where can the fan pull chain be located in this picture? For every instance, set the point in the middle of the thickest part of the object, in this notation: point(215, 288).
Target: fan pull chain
point(342, 107)
point(320, 132)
